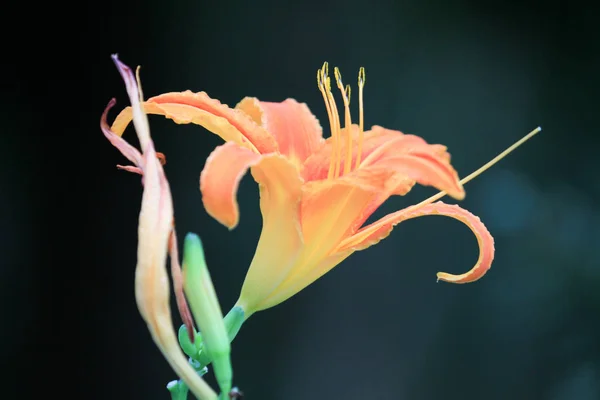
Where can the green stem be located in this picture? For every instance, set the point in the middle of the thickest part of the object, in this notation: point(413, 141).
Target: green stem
point(233, 323)
point(178, 389)
point(200, 359)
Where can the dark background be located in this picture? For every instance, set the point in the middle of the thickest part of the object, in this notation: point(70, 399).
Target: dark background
point(472, 75)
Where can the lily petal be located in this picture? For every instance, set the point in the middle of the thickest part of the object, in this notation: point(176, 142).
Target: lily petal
point(291, 287)
point(379, 230)
point(379, 144)
point(296, 130)
point(329, 210)
point(410, 156)
point(220, 178)
point(280, 193)
point(198, 108)
point(281, 239)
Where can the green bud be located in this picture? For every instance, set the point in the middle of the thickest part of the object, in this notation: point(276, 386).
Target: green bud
point(205, 307)
point(187, 346)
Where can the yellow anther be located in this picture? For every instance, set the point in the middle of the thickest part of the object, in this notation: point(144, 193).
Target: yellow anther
point(323, 84)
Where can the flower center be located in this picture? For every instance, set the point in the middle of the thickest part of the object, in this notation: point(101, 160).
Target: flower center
point(324, 84)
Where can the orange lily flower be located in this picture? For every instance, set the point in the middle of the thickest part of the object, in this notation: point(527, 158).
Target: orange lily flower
point(156, 238)
point(315, 194)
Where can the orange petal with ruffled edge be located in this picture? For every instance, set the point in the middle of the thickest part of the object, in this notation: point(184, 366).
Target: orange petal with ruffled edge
point(412, 157)
point(198, 108)
point(379, 230)
point(377, 140)
point(296, 130)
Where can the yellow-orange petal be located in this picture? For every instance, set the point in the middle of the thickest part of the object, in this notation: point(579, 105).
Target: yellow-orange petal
point(198, 108)
point(328, 213)
point(379, 230)
point(296, 130)
point(281, 239)
point(329, 208)
point(293, 286)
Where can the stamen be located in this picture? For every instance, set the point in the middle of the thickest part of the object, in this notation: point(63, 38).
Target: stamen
point(485, 167)
point(348, 119)
point(337, 143)
point(361, 121)
point(322, 80)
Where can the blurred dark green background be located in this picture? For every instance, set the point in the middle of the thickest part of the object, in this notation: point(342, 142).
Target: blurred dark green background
point(472, 75)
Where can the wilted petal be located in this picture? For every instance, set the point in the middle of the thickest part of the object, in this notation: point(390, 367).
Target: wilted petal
point(198, 108)
point(154, 231)
point(296, 130)
point(130, 152)
point(379, 230)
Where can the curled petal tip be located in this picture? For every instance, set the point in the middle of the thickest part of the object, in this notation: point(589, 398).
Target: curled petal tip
point(469, 277)
point(459, 194)
point(123, 69)
point(127, 75)
point(118, 63)
point(103, 119)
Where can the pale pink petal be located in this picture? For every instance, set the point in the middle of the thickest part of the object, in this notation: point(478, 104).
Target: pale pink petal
point(130, 152)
